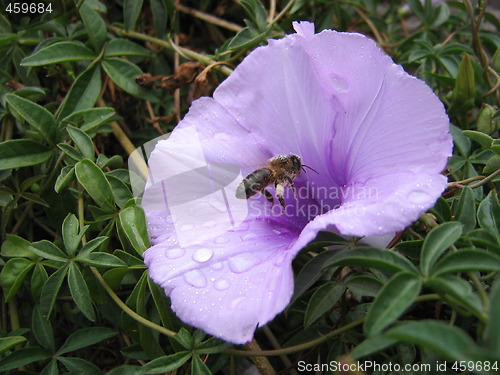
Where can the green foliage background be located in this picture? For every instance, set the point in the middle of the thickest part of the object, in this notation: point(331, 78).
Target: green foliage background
point(76, 295)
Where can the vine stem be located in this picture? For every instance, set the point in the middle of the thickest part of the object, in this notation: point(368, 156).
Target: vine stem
point(172, 46)
point(127, 309)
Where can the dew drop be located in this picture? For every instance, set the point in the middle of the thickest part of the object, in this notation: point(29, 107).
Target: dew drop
point(243, 262)
point(276, 231)
point(339, 83)
point(248, 236)
point(196, 278)
point(203, 255)
point(186, 227)
point(222, 284)
point(418, 197)
point(217, 266)
point(174, 253)
point(281, 258)
point(235, 302)
point(220, 240)
point(209, 224)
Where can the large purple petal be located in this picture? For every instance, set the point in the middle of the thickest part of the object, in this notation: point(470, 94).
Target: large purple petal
point(231, 284)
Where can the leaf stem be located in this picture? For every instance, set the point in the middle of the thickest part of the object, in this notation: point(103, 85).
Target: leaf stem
point(172, 46)
point(127, 309)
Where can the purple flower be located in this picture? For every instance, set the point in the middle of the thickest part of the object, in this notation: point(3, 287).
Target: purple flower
point(377, 137)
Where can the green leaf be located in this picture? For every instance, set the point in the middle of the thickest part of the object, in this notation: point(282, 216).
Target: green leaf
point(198, 367)
point(323, 299)
point(71, 151)
point(51, 289)
point(160, 14)
point(166, 363)
point(92, 245)
point(458, 289)
point(42, 330)
point(486, 123)
point(372, 345)
point(79, 366)
point(131, 12)
point(80, 292)
point(71, 234)
point(88, 119)
point(23, 357)
point(82, 141)
point(481, 138)
point(465, 210)
point(488, 215)
point(35, 115)
point(492, 165)
point(467, 260)
point(123, 73)
point(437, 241)
point(15, 246)
point(95, 183)
point(211, 346)
point(162, 304)
point(48, 250)
point(124, 47)
point(371, 257)
point(94, 24)
point(101, 260)
point(453, 343)
point(121, 192)
point(83, 93)
point(65, 178)
point(13, 274)
point(85, 337)
point(465, 89)
point(184, 338)
point(132, 222)
point(394, 298)
point(492, 330)
point(257, 13)
point(363, 286)
point(9, 342)
point(59, 52)
point(38, 279)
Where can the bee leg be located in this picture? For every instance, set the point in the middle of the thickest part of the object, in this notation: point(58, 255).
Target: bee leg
point(269, 196)
point(292, 186)
point(280, 190)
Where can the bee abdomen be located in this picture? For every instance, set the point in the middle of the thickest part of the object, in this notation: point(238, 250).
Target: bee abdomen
point(255, 182)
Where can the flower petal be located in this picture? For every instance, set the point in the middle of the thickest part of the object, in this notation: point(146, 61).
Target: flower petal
point(231, 284)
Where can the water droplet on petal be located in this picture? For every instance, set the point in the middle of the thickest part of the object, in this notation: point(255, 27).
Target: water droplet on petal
point(221, 240)
point(339, 83)
point(196, 278)
point(203, 255)
point(209, 224)
point(217, 266)
point(234, 303)
point(222, 284)
point(248, 236)
point(276, 231)
point(281, 258)
point(418, 197)
point(174, 253)
point(243, 262)
point(186, 227)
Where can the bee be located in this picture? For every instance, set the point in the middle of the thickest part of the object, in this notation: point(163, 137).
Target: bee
point(280, 171)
